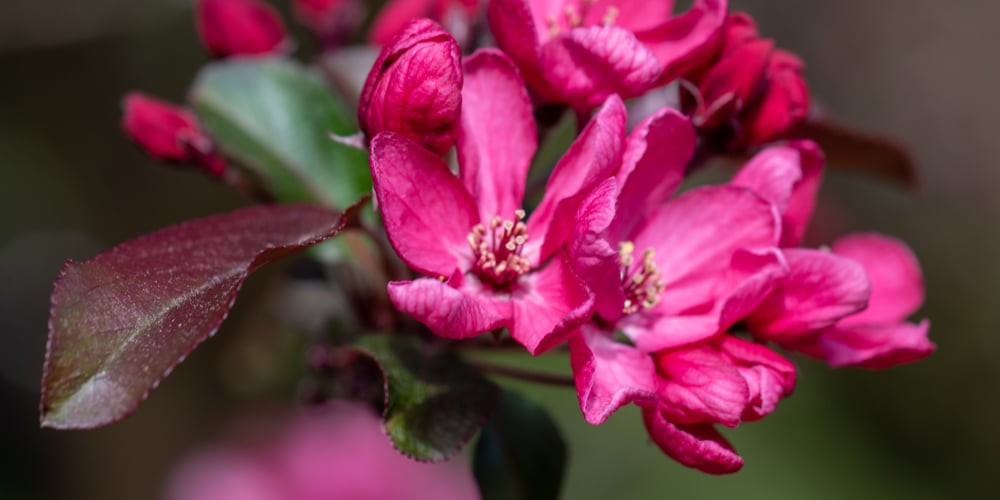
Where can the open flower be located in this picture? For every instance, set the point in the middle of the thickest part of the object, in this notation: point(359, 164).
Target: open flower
point(579, 52)
point(488, 265)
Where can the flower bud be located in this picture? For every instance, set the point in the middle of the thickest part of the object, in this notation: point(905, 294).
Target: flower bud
point(169, 132)
point(332, 21)
point(239, 27)
point(751, 94)
point(415, 87)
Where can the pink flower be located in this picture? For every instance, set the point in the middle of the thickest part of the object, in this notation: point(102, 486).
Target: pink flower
point(488, 267)
point(332, 21)
point(169, 132)
point(578, 52)
point(456, 15)
point(752, 94)
point(415, 88)
point(240, 27)
point(344, 455)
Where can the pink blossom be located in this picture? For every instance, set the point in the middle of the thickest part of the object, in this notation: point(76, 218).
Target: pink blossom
point(752, 93)
point(486, 266)
point(415, 88)
point(240, 27)
point(456, 15)
point(341, 455)
point(169, 132)
point(578, 52)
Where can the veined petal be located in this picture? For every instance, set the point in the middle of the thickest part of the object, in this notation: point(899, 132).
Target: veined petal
point(633, 15)
point(876, 347)
point(592, 256)
point(698, 385)
point(497, 137)
point(427, 212)
point(395, 15)
point(513, 25)
point(608, 374)
point(583, 66)
point(897, 285)
point(449, 312)
point(699, 446)
point(689, 40)
point(552, 303)
point(653, 165)
point(591, 158)
point(769, 376)
point(820, 289)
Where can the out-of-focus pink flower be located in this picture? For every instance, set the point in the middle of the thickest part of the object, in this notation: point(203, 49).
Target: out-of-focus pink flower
point(240, 27)
point(487, 266)
point(579, 52)
point(341, 453)
point(415, 88)
point(332, 21)
point(752, 94)
point(457, 17)
point(169, 132)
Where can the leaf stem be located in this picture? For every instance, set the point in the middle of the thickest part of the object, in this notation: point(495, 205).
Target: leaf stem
point(522, 374)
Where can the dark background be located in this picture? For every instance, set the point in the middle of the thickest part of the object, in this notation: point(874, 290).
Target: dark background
point(923, 71)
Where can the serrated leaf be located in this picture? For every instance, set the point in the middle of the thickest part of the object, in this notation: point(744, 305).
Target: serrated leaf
point(434, 403)
point(121, 321)
point(520, 454)
point(274, 117)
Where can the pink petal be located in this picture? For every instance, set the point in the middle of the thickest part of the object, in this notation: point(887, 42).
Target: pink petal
point(751, 278)
point(803, 199)
point(653, 165)
point(591, 158)
point(395, 15)
point(687, 41)
point(897, 285)
point(820, 289)
point(449, 312)
point(550, 305)
point(657, 333)
point(769, 376)
point(697, 385)
point(736, 80)
point(513, 25)
point(698, 446)
point(785, 102)
point(427, 212)
point(497, 137)
point(876, 347)
point(239, 27)
point(633, 15)
point(591, 255)
point(584, 66)
point(414, 88)
point(608, 374)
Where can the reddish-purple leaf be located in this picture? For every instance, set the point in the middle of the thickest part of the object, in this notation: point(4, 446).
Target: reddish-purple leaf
point(121, 321)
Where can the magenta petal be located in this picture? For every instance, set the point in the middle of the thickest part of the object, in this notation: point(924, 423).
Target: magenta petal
point(689, 40)
point(609, 375)
point(698, 446)
point(552, 303)
point(591, 158)
point(772, 173)
point(514, 27)
point(697, 384)
point(239, 27)
point(497, 137)
point(633, 15)
point(427, 212)
point(820, 289)
point(670, 332)
point(653, 165)
point(803, 198)
point(876, 347)
point(751, 278)
point(592, 257)
point(583, 66)
point(394, 16)
point(897, 285)
point(769, 376)
point(449, 312)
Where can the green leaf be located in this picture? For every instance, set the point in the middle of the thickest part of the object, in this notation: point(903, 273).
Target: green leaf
point(520, 454)
point(434, 403)
point(273, 116)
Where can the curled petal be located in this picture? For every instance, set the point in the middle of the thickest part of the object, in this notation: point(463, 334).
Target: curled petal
point(591, 255)
point(698, 446)
point(583, 66)
point(239, 27)
point(497, 136)
point(427, 212)
point(689, 40)
point(802, 201)
point(697, 385)
point(550, 305)
point(769, 376)
point(897, 285)
point(608, 374)
point(785, 102)
point(875, 347)
point(449, 312)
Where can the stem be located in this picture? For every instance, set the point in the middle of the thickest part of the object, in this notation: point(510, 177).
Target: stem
point(522, 374)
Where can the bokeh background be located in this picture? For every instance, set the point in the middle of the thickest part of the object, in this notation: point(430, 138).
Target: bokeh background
point(922, 71)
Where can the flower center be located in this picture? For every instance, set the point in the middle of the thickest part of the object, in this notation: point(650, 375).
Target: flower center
point(573, 17)
point(497, 250)
point(641, 280)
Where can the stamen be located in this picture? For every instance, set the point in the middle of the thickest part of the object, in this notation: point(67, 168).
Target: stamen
point(573, 18)
point(609, 16)
point(498, 258)
point(642, 283)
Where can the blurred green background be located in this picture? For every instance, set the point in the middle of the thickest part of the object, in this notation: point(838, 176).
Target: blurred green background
point(923, 71)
